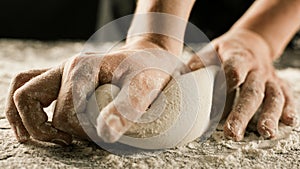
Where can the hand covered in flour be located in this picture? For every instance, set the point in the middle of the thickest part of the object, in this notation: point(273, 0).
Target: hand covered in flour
point(247, 63)
point(141, 69)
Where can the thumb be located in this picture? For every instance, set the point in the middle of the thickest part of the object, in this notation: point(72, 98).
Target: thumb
point(130, 104)
point(206, 56)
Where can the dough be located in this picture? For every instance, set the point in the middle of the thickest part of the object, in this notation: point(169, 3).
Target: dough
point(180, 114)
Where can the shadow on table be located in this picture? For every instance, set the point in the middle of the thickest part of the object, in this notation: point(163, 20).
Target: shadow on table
point(290, 58)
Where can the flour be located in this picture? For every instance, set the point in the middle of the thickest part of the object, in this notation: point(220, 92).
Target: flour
point(215, 152)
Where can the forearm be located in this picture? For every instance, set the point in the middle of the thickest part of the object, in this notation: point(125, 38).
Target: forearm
point(165, 29)
point(276, 21)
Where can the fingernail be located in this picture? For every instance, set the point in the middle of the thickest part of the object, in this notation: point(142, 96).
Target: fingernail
point(108, 129)
point(194, 66)
point(293, 119)
point(233, 131)
point(60, 142)
point(268, 129)
point(266, 133)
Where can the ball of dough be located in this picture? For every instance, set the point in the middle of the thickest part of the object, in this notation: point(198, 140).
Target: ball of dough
point(179, 115)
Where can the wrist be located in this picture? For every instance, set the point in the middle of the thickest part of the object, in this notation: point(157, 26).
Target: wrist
point(163, 29)
point(275, 20)
point(152, 40)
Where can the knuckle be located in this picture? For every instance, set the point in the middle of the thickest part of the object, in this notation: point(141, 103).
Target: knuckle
point(254, 90)
point(226, 45)
point(18, 78)
point(76, 60)
point(235, 70)
point(277, 96)
point(81, 67)
point(74, 66)
point(275, 92)
point(19, 96)
point(23, 77)
point(242, 54)
point(232, 74)
point(233, 48)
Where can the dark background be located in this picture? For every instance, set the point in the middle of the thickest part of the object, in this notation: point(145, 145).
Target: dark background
point(47, 19)
point(71, 19)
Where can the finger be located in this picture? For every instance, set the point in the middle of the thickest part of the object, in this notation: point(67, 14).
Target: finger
point(250, 98)
point(236, 69)
point(205, 57)
point(230, 97)
point(195, 63)
point(81, 75)
point(80, 78)
point(271, 111)
point(32, 97)
point(11, 111)
point(290, 116)
point(132, 101)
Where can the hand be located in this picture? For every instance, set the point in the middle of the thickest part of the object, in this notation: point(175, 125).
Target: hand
point(71, 84)
point(247, 62)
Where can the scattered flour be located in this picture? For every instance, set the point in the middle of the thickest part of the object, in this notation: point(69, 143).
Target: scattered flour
point(215, 152)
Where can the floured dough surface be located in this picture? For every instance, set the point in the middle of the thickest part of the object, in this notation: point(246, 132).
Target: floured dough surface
point(162, 114)
point(159, 115)
point(179, 115)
